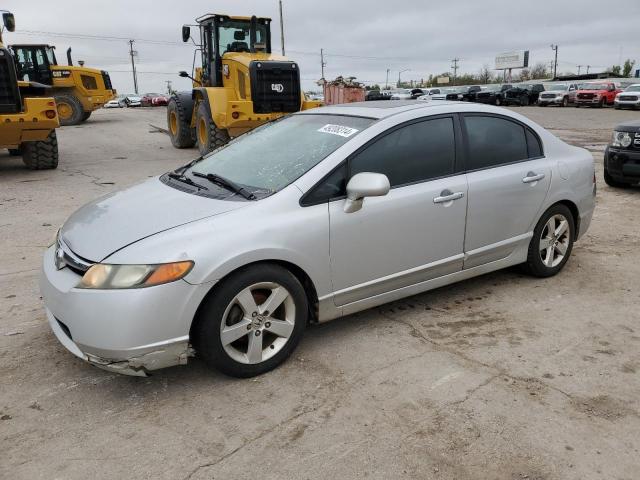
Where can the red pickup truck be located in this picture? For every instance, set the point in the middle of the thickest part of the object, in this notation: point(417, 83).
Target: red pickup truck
point(596, 94)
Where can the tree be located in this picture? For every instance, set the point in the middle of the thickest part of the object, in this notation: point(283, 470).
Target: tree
point(525, 74)
point(628, 67)
point(615, 69)
point(539, 71)
point(484, 76)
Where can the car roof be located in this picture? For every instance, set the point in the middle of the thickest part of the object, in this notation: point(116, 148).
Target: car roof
point(379, 109)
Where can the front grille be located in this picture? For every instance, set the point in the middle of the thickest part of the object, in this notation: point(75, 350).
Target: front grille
point(628, 98)
point(107, 80)
point(548, 95)
point(275, 86)
point(10, 101)
point(65, 257)
point(483, 95)
point(586, 96)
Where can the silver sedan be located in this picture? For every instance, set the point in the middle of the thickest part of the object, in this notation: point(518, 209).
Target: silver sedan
point(315, 216)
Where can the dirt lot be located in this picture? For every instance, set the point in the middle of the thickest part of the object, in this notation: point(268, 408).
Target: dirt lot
point(501, 377)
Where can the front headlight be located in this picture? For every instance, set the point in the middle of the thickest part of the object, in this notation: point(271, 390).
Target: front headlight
point(106, 277)
point(621, 139)
point(559, 95)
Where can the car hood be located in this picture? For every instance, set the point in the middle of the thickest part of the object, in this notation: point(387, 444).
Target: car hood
point(556, 92)
point(114, 221)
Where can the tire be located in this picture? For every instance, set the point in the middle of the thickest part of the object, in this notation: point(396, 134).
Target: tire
point(85, 116)
point(179, 123)
point(554, 259)
point(542, 104)
point(617, 107)
point(208, 135)
point(565, 102)
point(222, 309)
point(41, 155)
point(15, 152)
point(601, 103)
point(525, 101)
point(69, 108)
point(498, 102)
point(609, 180)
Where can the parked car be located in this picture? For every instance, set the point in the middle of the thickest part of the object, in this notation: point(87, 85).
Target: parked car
point(228, 256)
point(523, 94)
point(417, 93)
point(448, 93)
point(561, 94)
point(492, 94)
point(160, 100)
point(132, 101)
point(630, 97)
point(429, 93)
point(401, 94)
point(596, 94)
point(622, 156)
point(373, 95)
point(147, 99)
point(113, 104)
point(469, 93)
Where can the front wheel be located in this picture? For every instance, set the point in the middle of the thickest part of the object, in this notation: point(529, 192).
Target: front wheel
point(179, 123)
point(85, 116)
point(552, 242)
point(252, 321)
point(498, 102)
point(208, 136)
point(69, 108)
point(41, 155)
point(565, 102)
point(525, 101)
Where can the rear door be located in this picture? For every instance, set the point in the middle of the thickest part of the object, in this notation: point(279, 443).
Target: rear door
point(508, 178)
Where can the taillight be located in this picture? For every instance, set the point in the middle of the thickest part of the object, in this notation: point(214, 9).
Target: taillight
point(50, 114)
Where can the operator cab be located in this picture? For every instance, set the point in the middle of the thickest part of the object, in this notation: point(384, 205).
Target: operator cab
point(33, 62)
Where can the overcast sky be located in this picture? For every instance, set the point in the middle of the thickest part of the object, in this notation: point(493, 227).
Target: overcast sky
point(359, 38)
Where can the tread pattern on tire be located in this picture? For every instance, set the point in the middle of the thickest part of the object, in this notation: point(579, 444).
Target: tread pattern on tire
point(76, 106)
point(86, 115)
point(216, 137)
point(185, 138)
point(42, 155)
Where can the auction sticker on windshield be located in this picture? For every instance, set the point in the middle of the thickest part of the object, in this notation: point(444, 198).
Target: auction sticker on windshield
point(338, 130)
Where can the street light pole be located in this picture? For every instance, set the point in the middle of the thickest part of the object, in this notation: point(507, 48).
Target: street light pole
point(386, 84)
point(399, 73)
point(555, 62)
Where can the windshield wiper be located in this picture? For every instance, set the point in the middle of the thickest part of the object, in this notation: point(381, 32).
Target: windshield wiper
point(181, 178)
point(225, 182)
point(184, 168)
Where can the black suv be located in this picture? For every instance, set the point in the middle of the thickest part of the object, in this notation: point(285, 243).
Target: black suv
point(493, 94)
point(622, 156)
point(523, 94)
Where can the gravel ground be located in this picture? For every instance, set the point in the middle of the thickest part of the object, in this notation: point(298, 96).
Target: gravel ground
point(500, 377)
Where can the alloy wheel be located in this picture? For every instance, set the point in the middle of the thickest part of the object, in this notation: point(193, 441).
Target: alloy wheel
point(258, 322)
point(554, 240)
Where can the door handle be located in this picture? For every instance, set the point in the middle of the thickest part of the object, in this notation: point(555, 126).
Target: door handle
point(532, 177)
point(446, 196)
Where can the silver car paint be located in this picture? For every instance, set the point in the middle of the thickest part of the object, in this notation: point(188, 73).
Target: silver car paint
point(384, 258)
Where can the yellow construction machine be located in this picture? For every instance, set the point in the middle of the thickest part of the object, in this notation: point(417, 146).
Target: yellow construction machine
point(27, 123)
point(78, 90)
point(240, 85)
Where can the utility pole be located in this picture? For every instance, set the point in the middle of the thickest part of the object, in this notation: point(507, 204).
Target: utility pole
point(322, 64)
point(555, 62)
point(133, 53)
point(282, 30)
point(168, 82)
point(386, 83)
point(399, 73)
point(579, 67)
point(588, 67)
point(454, 66)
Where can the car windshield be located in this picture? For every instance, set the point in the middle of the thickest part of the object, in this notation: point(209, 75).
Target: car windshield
point(557, 87)
point(272, 156)
point(492, 88)
point(633, 88)
point(594, 86)
point(524, 86)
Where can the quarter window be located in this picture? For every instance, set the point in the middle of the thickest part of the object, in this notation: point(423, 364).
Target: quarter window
point(413, 153)
point(494, 141)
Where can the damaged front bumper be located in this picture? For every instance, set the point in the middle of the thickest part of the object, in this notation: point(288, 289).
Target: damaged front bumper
point(139, 364)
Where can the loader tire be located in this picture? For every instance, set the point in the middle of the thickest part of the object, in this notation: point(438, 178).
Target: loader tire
point(85, 116)
point(42, 155)
point(179, 122)
point(208, 136)
point(70, 109)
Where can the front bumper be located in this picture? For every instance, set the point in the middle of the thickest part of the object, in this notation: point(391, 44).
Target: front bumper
point(128, 331)
point(550, 101)
point(589, 101)
point(626, 103)
point(623, 164)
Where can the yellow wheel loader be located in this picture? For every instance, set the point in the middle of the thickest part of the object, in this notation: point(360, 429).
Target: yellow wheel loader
point(27, 123)
point(78, 90)
point(239, 86)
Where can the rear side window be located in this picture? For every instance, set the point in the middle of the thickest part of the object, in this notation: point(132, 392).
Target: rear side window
point(412, 153)
point(533, 144)
point(494, 141)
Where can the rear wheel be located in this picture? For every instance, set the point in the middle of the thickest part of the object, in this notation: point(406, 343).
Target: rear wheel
point(69, 108)
point(208, 135)
point(565, 102)
point(41, 155)
point(552, 242)
point(85, 116)
point(252, 321)
point(179, 122)
point(525, 101)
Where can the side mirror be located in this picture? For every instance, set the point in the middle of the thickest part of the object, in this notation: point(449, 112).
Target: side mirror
point(186, 33)
point(183, 74)
point(365, 184)
point(9, 21)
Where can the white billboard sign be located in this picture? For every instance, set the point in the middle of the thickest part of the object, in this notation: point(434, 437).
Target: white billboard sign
point(517, 59)
point(442, 80)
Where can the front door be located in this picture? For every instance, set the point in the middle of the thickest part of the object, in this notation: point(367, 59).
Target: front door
point(32, 64)
point(415, 232)
point(508, 182)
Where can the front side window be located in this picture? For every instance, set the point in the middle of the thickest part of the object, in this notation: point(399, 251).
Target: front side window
point(412, 153)
point(494, 141)
point(270, 157)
